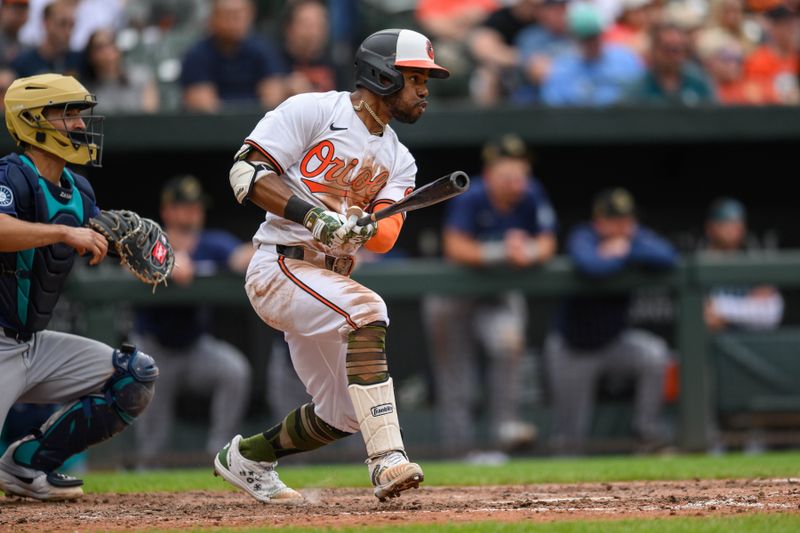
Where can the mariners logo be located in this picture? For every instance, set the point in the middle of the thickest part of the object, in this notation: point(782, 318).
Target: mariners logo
point(6, 196)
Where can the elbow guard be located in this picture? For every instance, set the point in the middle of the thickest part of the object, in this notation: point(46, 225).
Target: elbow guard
point(244, 174)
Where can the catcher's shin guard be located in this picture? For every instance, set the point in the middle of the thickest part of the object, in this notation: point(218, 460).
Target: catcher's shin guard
point(96, 417)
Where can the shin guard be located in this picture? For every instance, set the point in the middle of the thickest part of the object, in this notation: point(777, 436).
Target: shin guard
point(376, 412)
point(96, 417)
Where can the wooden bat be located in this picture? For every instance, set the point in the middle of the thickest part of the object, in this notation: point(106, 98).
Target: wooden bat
point(434, 192)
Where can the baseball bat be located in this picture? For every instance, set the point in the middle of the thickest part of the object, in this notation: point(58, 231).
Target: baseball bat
point(434, 192)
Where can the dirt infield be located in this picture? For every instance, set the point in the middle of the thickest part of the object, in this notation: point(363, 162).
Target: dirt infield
point(352, 507)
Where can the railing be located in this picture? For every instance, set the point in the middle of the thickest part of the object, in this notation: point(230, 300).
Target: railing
point(411, 280)
point(449, 125)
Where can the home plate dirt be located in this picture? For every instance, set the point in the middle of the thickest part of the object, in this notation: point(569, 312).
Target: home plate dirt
point(357, 507)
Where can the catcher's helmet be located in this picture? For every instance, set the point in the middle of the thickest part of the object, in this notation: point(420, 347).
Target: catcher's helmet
point(383, 51)
point(26, 100)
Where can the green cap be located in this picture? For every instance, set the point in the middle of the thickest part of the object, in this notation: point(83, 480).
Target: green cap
point(584, 20)
point(614, 203)
point(184, 189)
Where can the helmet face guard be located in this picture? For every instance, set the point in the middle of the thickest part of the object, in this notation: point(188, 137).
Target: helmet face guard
point(28, 101)
point(90, 138)
point(379, 56)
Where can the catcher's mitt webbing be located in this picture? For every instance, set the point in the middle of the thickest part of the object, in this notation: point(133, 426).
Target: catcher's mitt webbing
point(139, 242)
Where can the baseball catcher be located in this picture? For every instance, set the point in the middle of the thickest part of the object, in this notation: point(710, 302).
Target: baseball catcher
point(48, 215)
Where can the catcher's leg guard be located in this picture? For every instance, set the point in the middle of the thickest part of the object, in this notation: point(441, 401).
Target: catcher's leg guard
point(93, 418)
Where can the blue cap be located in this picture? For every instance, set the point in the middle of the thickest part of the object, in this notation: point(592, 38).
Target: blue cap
point(726, 210)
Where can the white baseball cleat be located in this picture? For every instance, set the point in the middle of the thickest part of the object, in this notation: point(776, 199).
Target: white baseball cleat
point(258, 479)
point(392, 473)
point(18, 480)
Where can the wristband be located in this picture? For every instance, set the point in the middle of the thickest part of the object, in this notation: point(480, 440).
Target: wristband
point(296, 209)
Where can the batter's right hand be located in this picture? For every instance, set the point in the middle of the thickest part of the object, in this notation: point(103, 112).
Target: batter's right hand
point(85, 240)
point(323, 224)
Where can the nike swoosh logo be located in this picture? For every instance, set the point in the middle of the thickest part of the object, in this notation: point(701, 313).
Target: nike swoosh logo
point(334, 128)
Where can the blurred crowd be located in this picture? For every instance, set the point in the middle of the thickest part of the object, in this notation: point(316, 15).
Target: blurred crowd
point(209, 55)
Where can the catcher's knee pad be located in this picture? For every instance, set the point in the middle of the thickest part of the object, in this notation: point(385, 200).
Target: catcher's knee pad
point(96, 417)
point(366, 355)
point(132, 386)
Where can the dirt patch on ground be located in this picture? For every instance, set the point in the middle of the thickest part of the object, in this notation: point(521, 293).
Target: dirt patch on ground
point(357, 507)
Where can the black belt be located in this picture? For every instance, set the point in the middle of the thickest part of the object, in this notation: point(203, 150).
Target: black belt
point(16, 335)
point(340, 265)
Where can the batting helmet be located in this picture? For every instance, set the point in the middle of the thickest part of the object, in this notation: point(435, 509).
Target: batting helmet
point(26, 101)
point(383, 51)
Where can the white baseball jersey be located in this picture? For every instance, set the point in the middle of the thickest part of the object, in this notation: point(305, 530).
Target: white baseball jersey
point(325, 154)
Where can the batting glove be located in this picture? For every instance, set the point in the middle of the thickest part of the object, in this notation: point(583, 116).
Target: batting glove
point(351, 232)
point(324, 225)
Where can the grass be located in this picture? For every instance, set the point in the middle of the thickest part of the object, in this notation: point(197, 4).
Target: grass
point(753, 523)
point(523, 471)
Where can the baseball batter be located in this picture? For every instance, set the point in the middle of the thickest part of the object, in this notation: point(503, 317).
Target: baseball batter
point(43, 208)
point(316, 164)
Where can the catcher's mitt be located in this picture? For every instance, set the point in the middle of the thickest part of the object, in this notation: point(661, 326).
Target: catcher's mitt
point(139, 242)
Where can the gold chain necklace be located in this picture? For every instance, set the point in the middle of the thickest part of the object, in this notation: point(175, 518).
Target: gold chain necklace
point(363, 104)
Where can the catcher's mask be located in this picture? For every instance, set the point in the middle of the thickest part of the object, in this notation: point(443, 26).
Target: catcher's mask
point(26, 101)
point(382, 52)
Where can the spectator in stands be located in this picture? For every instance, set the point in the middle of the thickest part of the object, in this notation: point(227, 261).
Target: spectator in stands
point(13, 14)
point(305, 50)
point(538, 45)
point(687, 16)
point(90, 15)
point(493, 47)
point(118, 89)
point(449, 23)
point(53, 55)
point(452, 20)
point(749, 308)
point(232, 66)
point(596, 74)
point(632, 26)
point(504, 219)
point(728, 17)
point(591, 338)
point(723, 58)
point(671, 77)
point(190, 358)
point(775, 62)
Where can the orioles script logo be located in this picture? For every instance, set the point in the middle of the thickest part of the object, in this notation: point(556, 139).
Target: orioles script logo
point(337, 173)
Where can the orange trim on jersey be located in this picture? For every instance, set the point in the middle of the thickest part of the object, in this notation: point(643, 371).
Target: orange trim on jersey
point(266, 154)
point(388, 230)
point(312, 292)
